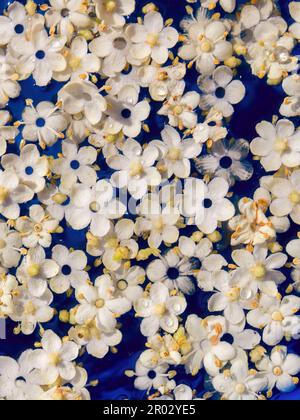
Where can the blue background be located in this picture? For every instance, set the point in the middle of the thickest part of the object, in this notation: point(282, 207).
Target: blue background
point(261, 102)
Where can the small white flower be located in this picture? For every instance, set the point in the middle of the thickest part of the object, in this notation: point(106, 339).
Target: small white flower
point(30, 167)
point(76, 164)
point(277, 145)
point(221, 92)
point(44, 123)
point(277, 318)
point(113, 12)
point(152, 39)
point(280, 369)
point(37, 228)
point(227, 5)
point(157, 378)
point(7, 132)
point(10, 244)
point(291, 105)
point(126, 113)
point(54, 360)
point(134, 168)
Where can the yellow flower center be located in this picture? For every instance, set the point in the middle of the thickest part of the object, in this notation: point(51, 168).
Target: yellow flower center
point(152, 40)
point(54, 359)
point(158, 224)
point(178, 110)
point(29, 308)
point(240, 389)
point(3, 194)
point(59, 198)
point(281, 145)
point(110, 6)
point(74, 62)
point(259, 271)
point(206, 46)
point(136, 169)
point(38, 228)
point(122, 253)
point(100, 303)
point(233, 294)
point(122, 284)
point(174, 154)
point(277, 316)
point(33, 270)
point(110, 138)
point(277, 371)
point(295, 197)
point(160, 309)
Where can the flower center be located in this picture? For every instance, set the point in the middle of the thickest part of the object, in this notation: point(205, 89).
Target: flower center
point(122, 285)
point(277, 371)
point(94, 207)
point(295, 197)
point(19, 29)
point(220, 92)
point(54, 359)
point(226, 162)
point(120, 43)
point(65, 12)
point(74, 62)
point(178, 110)
point(160, 309)
point(75, 165)
point(281, 145)
point(100, 303)
point(38, 228)
point(207, 203)
point(40, 122)
point(40, 55)
point(206, 46)
point(66, 270)
point(158, 224)
point(33, 270)
point(277, 316)
point(29, 170)
point(152, 374)
point(122, 253)
point(110, 6)
point(259, 271)
point(152, 39)
point(3, 194)
point(174, 154)
point(126, 113)
point(136, 169)
point(240, 389)
point(233, 294)
point(173, 273)
point(2, 244)
point(29, 308)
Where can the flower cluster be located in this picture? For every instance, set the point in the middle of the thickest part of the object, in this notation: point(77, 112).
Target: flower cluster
point(157, 215)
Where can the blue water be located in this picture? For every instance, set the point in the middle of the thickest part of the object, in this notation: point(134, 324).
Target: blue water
point(261, 102)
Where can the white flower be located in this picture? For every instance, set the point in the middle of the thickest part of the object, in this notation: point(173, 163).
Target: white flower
point(277, 318)
point(211, 272)
point(96, 339)
point(95, 207)
point(295, 13)
point(30, 167)
point(44, 123)
point(286, 193)
point(175, 153)
point(211, 129)
point(227, 5)
point(9, 87)
point(221, 92)
point(55, 200)
point(37, 228)
point(128, 283)
point(83, 97)
point(216, 207)
point(152, 39)
point(181, 108)
point(227, 160)
point(257, 271)
point(116, 247)
point(135, 169)
point(208, 349)
point(157, 378)
point(8, 284)
point(113, 12)
point(109, 144)
point(7, 133)
point(159, 310)
point(277, 145)
point(40, 55)
point(30, 310)
point(10, 244)
point(291, 105)
point(12, 193)
point(206, 42)
point(126, 113)
point(174, 271)
point(80, 63)
point(99, 301)
point(35, 270)
point(237, 384)
point(54, 360)
point(114, 49)
point(280, 368)
point(71, 269)
point(67, 16)
point(76, 164)
point(15, 381)
point(157, 221)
